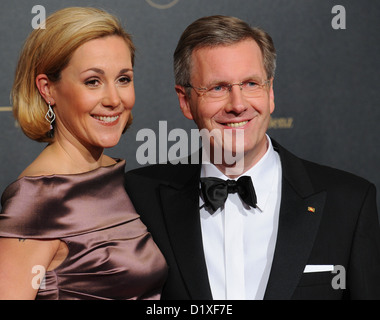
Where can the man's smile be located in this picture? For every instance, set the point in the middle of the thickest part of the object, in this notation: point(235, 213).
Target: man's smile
point(236, 124)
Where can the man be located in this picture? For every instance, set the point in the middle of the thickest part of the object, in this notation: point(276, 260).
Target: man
point(300, 231)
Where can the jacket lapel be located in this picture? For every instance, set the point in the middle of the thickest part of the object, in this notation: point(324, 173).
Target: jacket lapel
point(300, 214)
point(181, 210)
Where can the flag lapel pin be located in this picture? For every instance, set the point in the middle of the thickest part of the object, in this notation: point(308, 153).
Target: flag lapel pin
point(311, 209)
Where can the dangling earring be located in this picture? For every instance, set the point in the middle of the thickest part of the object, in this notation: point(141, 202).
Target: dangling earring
point(50, 116)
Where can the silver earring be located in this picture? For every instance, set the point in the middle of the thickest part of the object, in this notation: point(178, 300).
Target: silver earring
point(50, 116)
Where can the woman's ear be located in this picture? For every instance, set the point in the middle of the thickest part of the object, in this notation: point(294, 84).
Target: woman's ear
point(45, 88)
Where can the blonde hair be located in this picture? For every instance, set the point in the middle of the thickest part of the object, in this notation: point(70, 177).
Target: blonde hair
point(48, 51)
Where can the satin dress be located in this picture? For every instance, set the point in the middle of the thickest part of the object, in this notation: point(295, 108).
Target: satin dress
point(111, 253)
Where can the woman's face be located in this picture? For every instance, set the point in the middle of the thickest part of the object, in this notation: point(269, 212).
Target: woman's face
point(95, 95)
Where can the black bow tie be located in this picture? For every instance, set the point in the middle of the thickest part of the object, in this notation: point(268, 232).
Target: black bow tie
point(215, 191)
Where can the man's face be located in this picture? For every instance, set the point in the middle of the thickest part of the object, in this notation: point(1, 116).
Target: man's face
point(221, 65)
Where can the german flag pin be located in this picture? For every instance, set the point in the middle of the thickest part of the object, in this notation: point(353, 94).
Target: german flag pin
point(311, 209)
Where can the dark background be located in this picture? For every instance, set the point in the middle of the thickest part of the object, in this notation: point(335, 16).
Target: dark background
point(326, 85)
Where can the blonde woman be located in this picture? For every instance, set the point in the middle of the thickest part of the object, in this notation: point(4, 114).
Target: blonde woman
point(67, 228)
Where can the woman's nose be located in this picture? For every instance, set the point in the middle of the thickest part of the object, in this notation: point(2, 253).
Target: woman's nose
point(111, 97)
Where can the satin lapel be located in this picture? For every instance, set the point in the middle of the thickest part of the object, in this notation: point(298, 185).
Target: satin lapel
point(181, 211)
point(298, 226)
point(300, 214)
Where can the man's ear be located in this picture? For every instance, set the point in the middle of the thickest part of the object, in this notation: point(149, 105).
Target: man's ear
point(271, 96)
point(45, 88)
point(184, 101)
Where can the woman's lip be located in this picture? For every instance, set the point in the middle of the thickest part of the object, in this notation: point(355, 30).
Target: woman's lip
point(107, 120)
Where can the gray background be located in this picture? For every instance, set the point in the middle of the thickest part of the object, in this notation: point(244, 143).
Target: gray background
point(326, 81)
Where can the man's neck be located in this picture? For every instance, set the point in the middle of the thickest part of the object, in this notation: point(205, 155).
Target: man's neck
point(243, 162)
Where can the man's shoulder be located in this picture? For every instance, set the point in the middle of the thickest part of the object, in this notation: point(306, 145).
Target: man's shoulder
point(322, 174)
point(335, 176)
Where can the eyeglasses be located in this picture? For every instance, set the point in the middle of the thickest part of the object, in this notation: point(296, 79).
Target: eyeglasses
point(250, 89)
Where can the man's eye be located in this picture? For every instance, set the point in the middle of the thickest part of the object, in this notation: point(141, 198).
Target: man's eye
point(250, 84)
point(217, 88)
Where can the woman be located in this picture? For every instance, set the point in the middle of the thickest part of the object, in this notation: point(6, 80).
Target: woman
point(68, 214)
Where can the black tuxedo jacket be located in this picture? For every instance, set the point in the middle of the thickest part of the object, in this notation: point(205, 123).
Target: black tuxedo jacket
point(342, 231)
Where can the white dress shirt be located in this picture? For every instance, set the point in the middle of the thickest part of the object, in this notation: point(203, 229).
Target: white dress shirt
point(239, 241)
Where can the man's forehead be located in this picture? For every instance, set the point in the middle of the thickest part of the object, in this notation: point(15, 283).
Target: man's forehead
point(243, 59)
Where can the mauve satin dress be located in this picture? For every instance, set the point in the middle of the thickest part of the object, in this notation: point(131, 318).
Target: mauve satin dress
point(111, 253)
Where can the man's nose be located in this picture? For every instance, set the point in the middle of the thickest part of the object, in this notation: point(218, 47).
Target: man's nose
point(236, 100)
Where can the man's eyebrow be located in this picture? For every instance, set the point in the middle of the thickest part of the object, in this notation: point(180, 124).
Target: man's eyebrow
point(214, 82)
